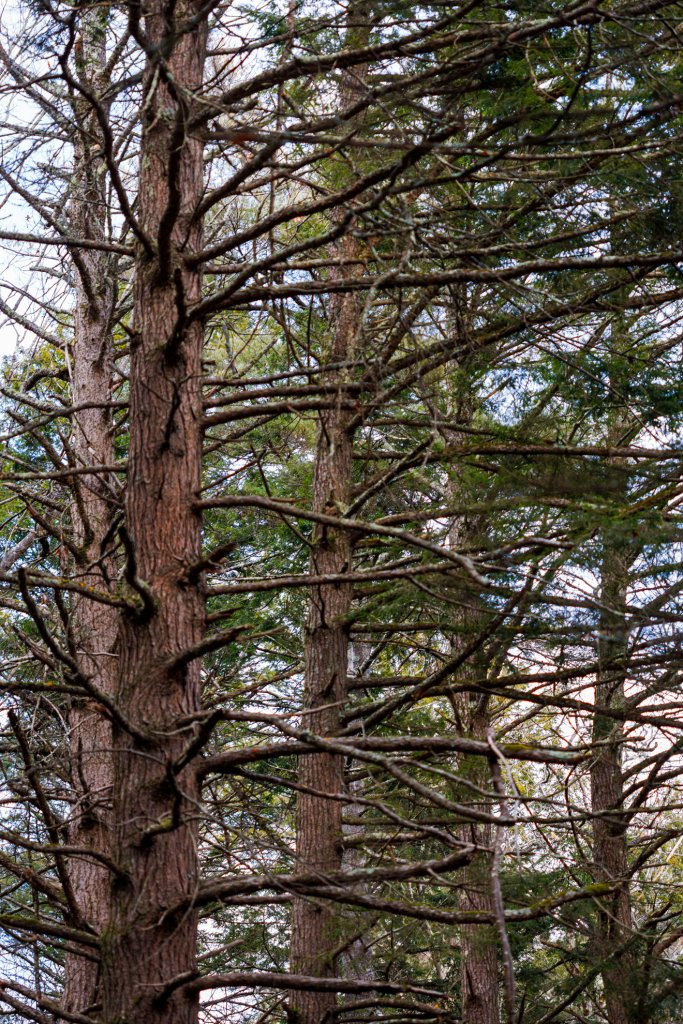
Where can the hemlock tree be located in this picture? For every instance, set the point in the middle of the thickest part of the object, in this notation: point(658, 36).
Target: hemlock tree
point(341, 548)
point(326, 642)
point(95, 503)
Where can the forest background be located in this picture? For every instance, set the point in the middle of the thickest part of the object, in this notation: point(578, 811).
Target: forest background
point(340, 545)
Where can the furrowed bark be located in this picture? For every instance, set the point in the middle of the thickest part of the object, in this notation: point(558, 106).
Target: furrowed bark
point(319, 820)
point(156, 812)
point(94, 624)
point(315, 924)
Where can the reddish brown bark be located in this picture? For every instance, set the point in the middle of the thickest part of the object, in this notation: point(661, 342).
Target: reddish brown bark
point(315, 925)
point(155, 809)
point(94, 634)
point(94, 624)
point(318, 825)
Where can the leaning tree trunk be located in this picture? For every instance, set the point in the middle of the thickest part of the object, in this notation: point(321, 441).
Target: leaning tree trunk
point(154, 806)
point(315, 924)
point(93, 509)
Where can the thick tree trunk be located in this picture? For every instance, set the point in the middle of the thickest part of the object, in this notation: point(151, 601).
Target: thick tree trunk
point(155, 809)
point(94, 624)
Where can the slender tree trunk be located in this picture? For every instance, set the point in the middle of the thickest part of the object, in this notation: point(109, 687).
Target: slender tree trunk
point(315, 925)
point(610, 824)
point(480, 994)
point(479, 975)
point(610, 854)
point(155, 809)
point(94, 624)
point(318, 824)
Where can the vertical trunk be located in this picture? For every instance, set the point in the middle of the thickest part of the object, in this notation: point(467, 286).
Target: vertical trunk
point(610, 851)
point(479, 944)
point(94, 625)
point(318, 825)
point(479, 984)
point(315, 932)
point(609, 825)
point(155, 809)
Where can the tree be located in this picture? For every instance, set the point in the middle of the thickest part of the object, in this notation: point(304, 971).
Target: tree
point(94, 626)
point(321, 308)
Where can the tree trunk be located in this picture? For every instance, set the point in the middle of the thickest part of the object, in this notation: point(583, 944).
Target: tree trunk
point(315, 925)
point(479, 978)
point(610, 853)
point(155, 808)
point(318, 824)
point(480, 995)
point(93, 508)
point(315, 929)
